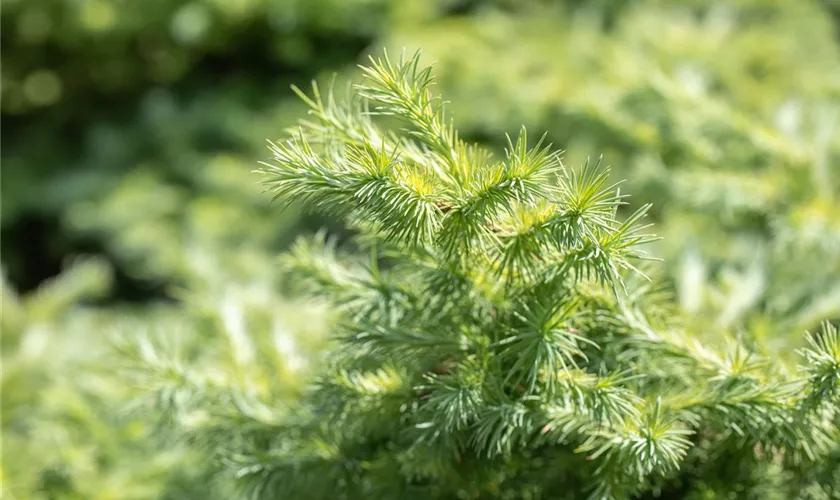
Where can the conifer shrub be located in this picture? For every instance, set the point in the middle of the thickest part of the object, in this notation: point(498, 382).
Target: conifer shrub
point(502, 339)
point(711, 111)
point(81, 370)
point(84, 386)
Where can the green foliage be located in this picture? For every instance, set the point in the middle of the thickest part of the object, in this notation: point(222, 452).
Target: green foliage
point(74, 425)
point(502, 341)
point(523, 358)
point(224, 360)
point(61, 438)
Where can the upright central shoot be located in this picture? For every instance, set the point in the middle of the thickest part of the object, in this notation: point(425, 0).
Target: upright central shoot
point(491, 336)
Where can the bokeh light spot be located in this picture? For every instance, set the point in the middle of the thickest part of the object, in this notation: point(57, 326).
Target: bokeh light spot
point(98, 15)
point(42, 88)
point(190, 23)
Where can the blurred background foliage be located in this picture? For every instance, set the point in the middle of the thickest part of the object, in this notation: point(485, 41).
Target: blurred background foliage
point(130, 129)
